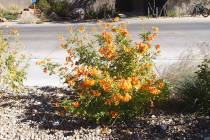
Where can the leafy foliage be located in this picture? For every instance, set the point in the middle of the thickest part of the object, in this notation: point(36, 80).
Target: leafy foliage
point(11, 13)
point(196, 91)
point(110, 75)
point(12, 64)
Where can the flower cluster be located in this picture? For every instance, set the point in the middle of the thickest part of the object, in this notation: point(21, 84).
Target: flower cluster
point(110, 74)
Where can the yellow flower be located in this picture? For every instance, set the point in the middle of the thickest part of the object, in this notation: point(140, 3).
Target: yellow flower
point(108, 102)
point(60, 37)
point(157, 47)
point(126, 49)
point(108, 26)
point(106, 84)
point(142, 48)
point(161, 84)
point(127, 97)
point(148, 66)
point(114, 114)
point(116, 99)
point(108, 51)
point(151, 37)
point(88, 83)
point(96, 93)
point(76, 104)
point(114, 29)
point(81, 29)
point(155, 29)
point(154, 90)
point(123, 32)
point(14, 31)
point(135, 82)
point(64, 46)
point(116, 19)
point(125, 85)
point(81, 71)
point(70, 81)
point(107, 37)
point(93, 71)
point(40, 62)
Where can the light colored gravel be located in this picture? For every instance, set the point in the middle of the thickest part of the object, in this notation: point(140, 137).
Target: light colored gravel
point(32, 117)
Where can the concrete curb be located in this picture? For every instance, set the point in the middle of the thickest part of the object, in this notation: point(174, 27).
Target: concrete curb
point(135, 20)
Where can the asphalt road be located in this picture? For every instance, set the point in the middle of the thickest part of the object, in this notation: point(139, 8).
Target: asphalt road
point(175, 39)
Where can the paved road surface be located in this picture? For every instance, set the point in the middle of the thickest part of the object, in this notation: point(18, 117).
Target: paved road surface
point(175, 38)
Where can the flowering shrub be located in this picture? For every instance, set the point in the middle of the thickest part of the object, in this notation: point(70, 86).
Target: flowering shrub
point(110, 75)
point(12, 64)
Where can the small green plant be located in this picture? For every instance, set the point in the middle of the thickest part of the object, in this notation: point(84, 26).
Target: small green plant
point(105, 11)
point(44, 5)
point(196, 90)
point(12, 64)
point(1, 12)
point(172, 13)
point(10, 13)
point(10, 16)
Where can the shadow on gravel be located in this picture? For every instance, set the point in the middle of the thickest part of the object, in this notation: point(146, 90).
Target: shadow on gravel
point(40, 111)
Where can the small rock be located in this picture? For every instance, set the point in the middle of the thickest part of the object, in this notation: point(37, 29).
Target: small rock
point(164, 126)
point(153, 116)
point(122, 15)
point(153, 122)
point(56, 123)
point(37, 103)
point(182, 121)
point(98, 130)
point(170, 121)
point(78, 13)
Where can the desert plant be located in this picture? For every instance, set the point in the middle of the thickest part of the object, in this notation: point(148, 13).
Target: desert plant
point(196, 90)
point(44, 5)
point(10, 16)
point(10, 13)
point(1, 12)
point(172, 13)
point(110, 75)
point(104, 11)
point(12, 64)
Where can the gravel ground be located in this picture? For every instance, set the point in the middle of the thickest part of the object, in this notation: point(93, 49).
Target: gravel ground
point(32, 116)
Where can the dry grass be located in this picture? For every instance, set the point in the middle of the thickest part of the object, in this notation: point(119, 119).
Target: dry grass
point(185, 67)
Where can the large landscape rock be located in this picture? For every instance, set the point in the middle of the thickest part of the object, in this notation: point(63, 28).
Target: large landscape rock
point(28, 16)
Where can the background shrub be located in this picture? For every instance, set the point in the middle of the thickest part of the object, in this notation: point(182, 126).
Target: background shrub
point(105, 11)
point(12, 64)
point(65, 8)
point(44, 5)
point(11, 13)
point(196, 90)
